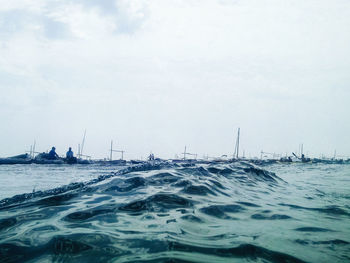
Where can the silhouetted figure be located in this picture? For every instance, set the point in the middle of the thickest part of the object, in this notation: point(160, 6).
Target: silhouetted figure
point(70, 157)
point(69, 154)
point(151, 157)
point(52, 154)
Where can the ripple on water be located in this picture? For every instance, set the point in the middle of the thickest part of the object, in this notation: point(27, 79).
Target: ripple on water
point(220, 212)
point(313, 229)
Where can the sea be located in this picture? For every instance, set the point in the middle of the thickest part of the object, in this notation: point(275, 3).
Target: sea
point(175, 212)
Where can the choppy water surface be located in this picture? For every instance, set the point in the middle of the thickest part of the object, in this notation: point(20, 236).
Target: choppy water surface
point(234, 212)
point(19, 179)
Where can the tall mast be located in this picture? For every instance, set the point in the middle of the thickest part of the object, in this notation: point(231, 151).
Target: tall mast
point(110, 156)
point(239, 129)
point(82, 144)
point(301, 149)
point(34, 148)
point(111, 152)
point(235, 154)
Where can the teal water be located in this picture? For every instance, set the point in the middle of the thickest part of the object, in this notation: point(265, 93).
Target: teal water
point(19, 179)
point(216, 212)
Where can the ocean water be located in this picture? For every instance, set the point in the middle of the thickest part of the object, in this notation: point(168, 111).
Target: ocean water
point(19, 179)
point(162, 212)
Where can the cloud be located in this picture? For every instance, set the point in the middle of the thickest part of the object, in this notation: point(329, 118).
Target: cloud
point(34, 6)
point(66, 19)
point(83, 23)
point(169, 73)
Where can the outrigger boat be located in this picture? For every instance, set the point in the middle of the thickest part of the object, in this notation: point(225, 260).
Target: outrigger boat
point(44, 158)
point(18, 159)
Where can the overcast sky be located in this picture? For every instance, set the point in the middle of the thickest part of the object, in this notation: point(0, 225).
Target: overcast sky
point(158, 75)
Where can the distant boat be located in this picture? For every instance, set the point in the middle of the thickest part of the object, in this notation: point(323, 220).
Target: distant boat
point(302, 158)
point(137, 161)
point(109, 162)
point(43, 158)
point(17, 159)
point(72, 160)
point(286, 159)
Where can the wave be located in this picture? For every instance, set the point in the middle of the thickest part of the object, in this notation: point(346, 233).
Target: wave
point(244, 172)
point(154, 212)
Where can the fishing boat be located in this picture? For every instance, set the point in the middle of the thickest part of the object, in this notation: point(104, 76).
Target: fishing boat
point(43, 158)
point(17, 159)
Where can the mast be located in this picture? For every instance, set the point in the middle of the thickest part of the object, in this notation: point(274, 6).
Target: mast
point(34, 148)
point(239, 129)
point(301, 149)
point(236, 152)
point(82, 144)
point(187, 153)
point(111, 153)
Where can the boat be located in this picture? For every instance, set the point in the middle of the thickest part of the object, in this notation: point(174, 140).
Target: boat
point(83, 161)
point(43, 158)
point(17, 159)
point(286, 159)
point(137, 161)
point(72, 160)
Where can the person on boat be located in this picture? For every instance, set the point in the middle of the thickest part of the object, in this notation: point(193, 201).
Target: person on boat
point(304, 159)
point(52, 154)
point(151, 157)
point(70, 157)
point(69, 154)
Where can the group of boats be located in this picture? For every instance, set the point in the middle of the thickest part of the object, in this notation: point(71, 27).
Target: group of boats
point(46, 158)
point(304, 159)
point(43, 158)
